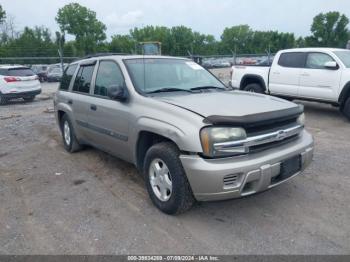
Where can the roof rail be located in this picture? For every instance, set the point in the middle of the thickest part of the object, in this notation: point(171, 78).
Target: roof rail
point(102, 54)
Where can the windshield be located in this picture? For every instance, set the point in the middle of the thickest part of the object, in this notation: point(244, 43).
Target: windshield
point(344, 56)
point(152, 74)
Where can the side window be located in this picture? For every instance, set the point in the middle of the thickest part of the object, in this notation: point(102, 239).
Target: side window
point(83, 80)
point(67, 77)
point(108, 74)
point(295, 60)
point(3, 72)
point(318, 60)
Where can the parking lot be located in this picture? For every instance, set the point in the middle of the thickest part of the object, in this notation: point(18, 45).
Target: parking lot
point(89, 202)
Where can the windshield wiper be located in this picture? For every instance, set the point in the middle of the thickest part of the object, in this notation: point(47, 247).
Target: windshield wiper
point(207, 87)
point(169, 89)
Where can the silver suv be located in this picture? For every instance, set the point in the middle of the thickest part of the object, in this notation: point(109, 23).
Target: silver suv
point(190, 136)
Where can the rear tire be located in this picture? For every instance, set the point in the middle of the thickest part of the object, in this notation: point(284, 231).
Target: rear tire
point(163, 169)
point(29, 99)
point(346, 108)
point(254, 88)
point(70, 141)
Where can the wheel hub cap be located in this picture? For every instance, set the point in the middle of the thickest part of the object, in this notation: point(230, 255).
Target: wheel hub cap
point(160, 180)
point(66, 133)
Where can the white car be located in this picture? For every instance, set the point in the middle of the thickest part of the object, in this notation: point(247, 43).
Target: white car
point(315, 74)
point(18, 82)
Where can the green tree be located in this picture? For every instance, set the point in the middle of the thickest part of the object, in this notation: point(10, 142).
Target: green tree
point(329, 30)
point(122, 44)
point(153, 33)
point(2, 15)
point(81, 22)
point(237, 39)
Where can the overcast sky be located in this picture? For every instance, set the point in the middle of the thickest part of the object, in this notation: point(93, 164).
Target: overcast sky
point(205, 16)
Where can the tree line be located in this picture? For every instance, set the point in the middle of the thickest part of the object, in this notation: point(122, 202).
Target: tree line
point(327, 30)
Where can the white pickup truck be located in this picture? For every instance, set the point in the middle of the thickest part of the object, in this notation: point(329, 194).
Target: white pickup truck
point(315, 74)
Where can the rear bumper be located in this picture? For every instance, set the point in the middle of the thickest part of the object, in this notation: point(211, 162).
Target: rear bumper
point(21, 94)
point(219, 179)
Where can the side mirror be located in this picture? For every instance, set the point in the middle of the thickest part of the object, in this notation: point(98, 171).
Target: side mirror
point(118, 93)
point(332, 65)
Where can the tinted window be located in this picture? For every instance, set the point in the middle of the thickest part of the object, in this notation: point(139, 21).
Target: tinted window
point(296, 60)
point(82, 82)
point(317, 60)
point(20, 71)
point(109, 74)
point(3, 72)
point(67, 77)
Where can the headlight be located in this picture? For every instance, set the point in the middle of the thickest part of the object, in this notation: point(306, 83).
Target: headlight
point(301, 119)
point(214, 140)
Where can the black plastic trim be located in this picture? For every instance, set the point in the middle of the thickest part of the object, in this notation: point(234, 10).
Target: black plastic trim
point(255, 77)
point(21, 94)
point(256, 119)
point(344, 93)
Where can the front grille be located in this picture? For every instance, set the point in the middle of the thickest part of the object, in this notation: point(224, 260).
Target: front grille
point(259, 148)
point(254, 131)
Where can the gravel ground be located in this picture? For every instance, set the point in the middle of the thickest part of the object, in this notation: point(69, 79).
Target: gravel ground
point(92, 203)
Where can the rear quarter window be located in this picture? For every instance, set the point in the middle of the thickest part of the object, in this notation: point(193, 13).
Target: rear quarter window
point(293, 59)
point(67, 77)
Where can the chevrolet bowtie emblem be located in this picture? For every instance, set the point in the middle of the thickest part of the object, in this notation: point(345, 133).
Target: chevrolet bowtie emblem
point(281, 135)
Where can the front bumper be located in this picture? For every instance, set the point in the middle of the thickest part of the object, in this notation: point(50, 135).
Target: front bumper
point(21, 94)
point(219, 179)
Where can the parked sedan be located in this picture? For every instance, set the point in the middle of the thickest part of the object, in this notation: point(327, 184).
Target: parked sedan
point(18, 82)
point(55, 75)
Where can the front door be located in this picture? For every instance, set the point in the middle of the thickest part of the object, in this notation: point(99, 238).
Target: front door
point(318, 82)
point(109, 119)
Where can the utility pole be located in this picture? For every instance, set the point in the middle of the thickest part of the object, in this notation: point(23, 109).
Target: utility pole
point(60, 40)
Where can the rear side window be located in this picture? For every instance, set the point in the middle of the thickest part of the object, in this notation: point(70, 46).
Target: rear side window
point(67, 77)
point(82, 82)
point(295, 59)
point(20, 71)
point(108, 74)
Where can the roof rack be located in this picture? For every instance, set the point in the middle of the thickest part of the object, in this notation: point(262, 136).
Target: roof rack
point(102, 54)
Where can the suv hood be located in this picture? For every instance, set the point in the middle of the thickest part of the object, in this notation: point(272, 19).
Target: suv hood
point(220, 107)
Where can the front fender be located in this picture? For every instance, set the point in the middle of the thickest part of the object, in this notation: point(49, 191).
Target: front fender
point(186, 138)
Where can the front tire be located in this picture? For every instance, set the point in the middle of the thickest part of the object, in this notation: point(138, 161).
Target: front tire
point(254, 88)
point(166, 180)
point(346, 109)
point(70, 141)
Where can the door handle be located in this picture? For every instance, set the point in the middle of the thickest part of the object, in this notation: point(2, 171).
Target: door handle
point(276, 73)
point(93, 107)
point(70, 102)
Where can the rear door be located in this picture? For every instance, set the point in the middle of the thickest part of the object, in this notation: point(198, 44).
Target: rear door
point(109, 119)
point(318, 82)
point(285, 74)
point(80, 99)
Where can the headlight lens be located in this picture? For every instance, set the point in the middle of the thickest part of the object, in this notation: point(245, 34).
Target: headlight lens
point(210, 136)
point(301, 119)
